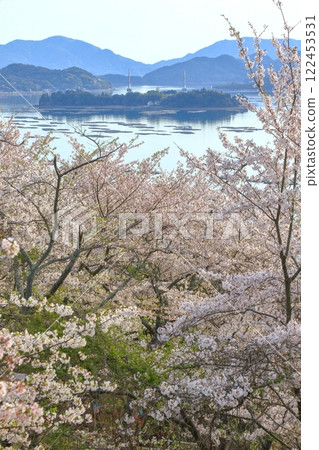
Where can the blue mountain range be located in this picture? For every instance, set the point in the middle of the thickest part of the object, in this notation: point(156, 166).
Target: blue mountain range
point(58, 52)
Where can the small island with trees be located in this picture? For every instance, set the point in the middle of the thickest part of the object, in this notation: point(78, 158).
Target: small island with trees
point(155, 99)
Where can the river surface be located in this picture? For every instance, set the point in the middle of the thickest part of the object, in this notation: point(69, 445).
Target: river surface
point(193, 132)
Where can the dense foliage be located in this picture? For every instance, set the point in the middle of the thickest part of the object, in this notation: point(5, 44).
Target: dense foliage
point(31, 78)
point(164, 99)
point(147, 309)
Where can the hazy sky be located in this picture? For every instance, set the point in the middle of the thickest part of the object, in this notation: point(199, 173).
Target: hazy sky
point(145, 30)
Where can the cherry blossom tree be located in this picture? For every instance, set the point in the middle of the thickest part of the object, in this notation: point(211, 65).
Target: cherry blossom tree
point(144, 308)
point(232, 378)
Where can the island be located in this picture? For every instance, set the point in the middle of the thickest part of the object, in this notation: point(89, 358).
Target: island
point(153, 100)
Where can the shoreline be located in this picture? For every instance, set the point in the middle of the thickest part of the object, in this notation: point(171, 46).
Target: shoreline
point(144, 109)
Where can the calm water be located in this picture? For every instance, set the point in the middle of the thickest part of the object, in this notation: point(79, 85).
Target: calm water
point(194, 132)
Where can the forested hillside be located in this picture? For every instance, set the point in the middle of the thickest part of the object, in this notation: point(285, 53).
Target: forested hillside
point(30, 78)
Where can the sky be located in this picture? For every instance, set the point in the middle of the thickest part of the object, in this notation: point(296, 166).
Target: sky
point(144, 30)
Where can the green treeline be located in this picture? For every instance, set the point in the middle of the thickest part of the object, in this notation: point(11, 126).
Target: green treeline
point(30, 78)
point(167, 99)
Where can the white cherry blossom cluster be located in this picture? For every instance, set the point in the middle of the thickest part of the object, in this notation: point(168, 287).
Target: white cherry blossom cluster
point(10, 246)
point(21, 395)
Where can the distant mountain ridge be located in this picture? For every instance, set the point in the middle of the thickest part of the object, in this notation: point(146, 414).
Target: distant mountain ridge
point(31, 78)
point(58, 52)
point(230, 47)
point(200, 71)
